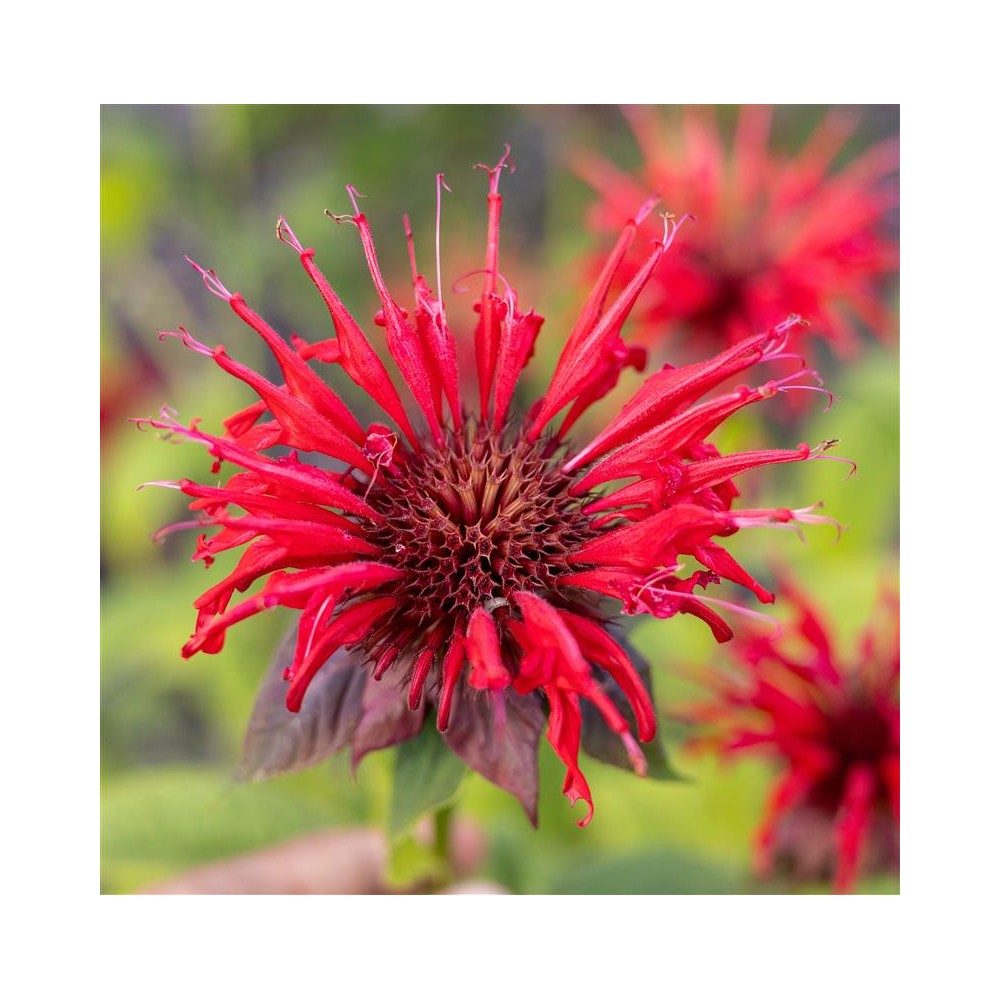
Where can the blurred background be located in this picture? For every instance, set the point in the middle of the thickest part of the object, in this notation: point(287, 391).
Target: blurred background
point(210, 182)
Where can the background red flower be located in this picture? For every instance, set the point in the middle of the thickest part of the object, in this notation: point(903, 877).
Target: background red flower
point(830, 721)
point(777, 230)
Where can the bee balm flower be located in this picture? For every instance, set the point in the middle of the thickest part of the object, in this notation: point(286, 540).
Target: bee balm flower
point(458, 561)
point(833, 727)
point(775, 232)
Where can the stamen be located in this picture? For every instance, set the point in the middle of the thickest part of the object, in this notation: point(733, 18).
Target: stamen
point(780, 333)
point(657, 593)
point(823, 446)
point(285, 234)
point(408, 232)
point(211, 280)
point(785, 519)
point(168, 484)
point(785, 357)
point(831, 398)
point(458, 290)
point(316, 621)
point(494, 172)
point(168, 529)
point(353, 193)
point(340, 219)
point(167, 422)
point(378, 449)
point(672, 227)
point(437, 235)
point(187, 340)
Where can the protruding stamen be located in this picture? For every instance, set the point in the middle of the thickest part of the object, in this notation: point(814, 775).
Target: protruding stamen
point(340, 219)
point(187, 340)
point(168, 484)
point(285, 234)
point(785, 519)
point(353, 193)
point(652, 587)
point(494, 172)
point(831, 398)
point(408, 233)
point(315, 625)
point(212, 282)
point(458, 289)
point(437, 237)
point(824, 446)
point(168, 529)
point(378, 449)
point(671, 226)
point(780, 334)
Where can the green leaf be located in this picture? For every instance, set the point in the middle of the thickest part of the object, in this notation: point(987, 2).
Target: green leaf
point(427, 774)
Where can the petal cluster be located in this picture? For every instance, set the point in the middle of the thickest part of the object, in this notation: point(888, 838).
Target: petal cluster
point(469, 558)
point(832, 726)
point(775, 232)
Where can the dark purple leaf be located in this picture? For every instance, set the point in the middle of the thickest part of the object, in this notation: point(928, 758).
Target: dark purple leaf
point(496, 733)
point(278, 741)
point(386, 718)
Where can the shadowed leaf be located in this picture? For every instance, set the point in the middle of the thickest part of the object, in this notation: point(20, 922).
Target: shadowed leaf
point(496, 733)
point(601, 743)
point(386, 718)
point(278, 741)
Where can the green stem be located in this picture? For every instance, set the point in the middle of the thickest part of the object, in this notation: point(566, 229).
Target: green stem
point(442, 835)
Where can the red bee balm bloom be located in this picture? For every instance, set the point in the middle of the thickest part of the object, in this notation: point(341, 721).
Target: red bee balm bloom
point(461, 559)
point(835, 730)
point(775, 233)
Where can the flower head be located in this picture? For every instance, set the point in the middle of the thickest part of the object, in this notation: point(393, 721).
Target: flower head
point(833, 727)
point(775, 232)
point(460, 562)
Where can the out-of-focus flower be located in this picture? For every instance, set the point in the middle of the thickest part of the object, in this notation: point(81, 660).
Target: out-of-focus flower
point(833, 727)
point(458, 561)
point(775, 232)
point(127, 381)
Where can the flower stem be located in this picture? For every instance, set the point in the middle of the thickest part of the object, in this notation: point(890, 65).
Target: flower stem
point(442, 835)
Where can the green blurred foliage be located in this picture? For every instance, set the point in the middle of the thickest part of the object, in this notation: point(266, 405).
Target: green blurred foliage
point(210, 182)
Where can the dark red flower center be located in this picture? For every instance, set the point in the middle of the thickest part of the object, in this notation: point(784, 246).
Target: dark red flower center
point(474, 521)
point(860, 732)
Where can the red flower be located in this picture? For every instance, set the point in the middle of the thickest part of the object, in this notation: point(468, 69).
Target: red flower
point(833, 728)
point(462, 559)
point(775, 233)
